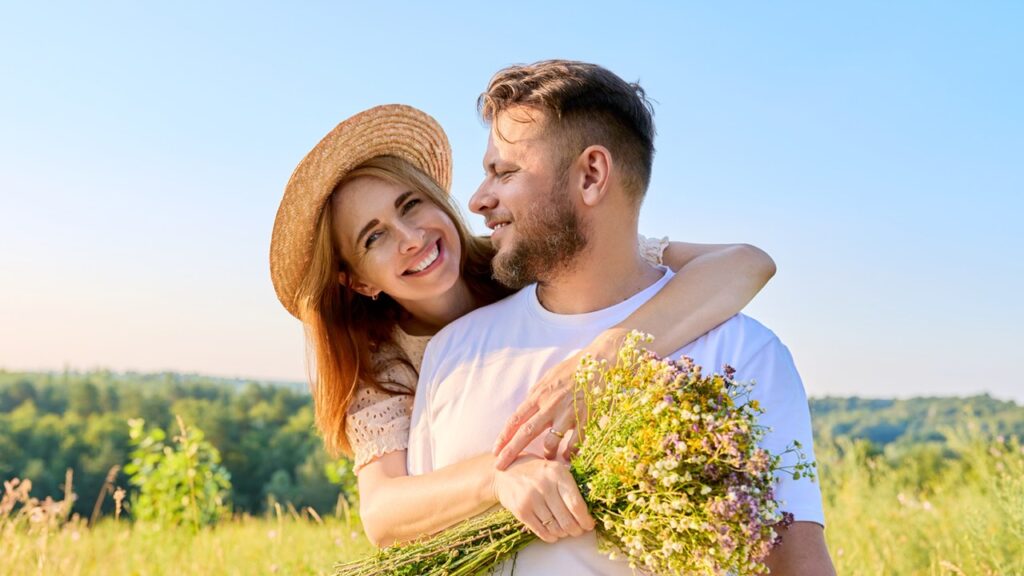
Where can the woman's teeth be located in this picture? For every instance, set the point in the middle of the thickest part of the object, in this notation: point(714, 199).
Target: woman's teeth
point(427, 260)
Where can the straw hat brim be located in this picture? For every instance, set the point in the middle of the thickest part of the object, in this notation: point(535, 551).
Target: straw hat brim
point(390, 130)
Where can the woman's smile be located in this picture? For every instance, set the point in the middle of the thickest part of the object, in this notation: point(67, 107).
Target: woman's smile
point(430, 259)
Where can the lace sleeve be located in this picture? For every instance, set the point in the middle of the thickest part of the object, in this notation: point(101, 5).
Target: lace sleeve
point(652, 249)
point(377, 423)
point(378, 420)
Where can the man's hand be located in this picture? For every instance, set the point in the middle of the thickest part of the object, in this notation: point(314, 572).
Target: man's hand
point(552, 405)
point(802, 551)
point(543, 495)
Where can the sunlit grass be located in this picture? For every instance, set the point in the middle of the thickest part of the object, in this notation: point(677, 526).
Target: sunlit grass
point(967, 517)
point(929, 515)
point(276, 545)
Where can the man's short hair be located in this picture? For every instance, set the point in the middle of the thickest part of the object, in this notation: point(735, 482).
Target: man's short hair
point(586, 105)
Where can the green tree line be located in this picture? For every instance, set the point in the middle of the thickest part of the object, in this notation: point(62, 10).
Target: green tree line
point(889, 423)
point(264, 432)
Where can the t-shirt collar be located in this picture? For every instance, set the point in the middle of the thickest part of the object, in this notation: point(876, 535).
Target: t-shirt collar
point(614, 313)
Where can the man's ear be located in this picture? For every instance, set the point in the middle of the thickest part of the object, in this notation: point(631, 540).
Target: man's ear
point(594, 166)
point(357, 286)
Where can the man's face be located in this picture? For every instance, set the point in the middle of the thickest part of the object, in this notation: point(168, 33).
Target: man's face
point(526, 200)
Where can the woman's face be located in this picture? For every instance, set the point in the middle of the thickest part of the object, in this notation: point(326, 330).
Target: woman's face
point(395, 239)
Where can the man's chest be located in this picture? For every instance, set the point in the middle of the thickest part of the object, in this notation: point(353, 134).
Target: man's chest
point(471, 403)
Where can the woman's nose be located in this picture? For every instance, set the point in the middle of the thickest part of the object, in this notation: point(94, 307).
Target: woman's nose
point(410, 237)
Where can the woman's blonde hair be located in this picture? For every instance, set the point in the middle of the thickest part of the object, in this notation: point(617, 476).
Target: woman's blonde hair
point(345, 330)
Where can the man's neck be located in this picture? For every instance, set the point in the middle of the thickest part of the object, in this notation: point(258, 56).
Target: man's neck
point(609, 271)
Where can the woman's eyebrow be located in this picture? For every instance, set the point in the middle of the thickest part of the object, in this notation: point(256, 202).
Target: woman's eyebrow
point(369, 225)
point(401, 198)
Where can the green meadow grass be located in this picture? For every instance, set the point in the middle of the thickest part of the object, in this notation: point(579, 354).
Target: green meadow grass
point(243, 546)
point(929, 515)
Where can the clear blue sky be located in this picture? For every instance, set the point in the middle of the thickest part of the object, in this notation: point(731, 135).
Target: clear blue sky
point(875, 150)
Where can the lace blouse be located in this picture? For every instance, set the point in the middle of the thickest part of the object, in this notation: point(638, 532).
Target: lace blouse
point(378, 420)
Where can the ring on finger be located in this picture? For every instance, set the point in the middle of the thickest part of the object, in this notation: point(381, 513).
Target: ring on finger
point(548, 521)
point(556, 432)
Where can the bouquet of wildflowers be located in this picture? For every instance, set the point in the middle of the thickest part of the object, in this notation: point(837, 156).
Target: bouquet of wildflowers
point(669, 466)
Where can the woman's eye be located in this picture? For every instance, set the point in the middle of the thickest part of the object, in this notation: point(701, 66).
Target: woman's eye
point(371, 239)
point(410, 205)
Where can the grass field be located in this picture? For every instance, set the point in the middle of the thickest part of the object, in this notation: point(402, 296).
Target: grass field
point(243, 546)
point(929, 515)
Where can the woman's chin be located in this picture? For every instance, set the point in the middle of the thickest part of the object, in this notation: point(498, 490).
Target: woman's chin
point(429, 287)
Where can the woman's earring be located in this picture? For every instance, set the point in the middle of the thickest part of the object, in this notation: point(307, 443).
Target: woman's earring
point(374, 297)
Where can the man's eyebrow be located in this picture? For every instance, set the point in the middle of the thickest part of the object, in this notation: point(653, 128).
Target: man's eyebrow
point(492, 166)
point(369, 225)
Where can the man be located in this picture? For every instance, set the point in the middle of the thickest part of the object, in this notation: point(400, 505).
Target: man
point(568, 162)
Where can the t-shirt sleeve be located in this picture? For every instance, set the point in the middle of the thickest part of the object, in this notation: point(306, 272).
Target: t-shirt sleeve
point(780, 392)
point(420, 454)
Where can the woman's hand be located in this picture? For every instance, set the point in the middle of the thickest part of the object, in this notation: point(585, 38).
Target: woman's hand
point(550, 408)
point(543, 495)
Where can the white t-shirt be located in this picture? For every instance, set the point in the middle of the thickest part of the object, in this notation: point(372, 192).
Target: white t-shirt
point(478, 370)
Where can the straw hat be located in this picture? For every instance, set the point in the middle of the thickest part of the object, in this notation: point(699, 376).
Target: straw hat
point(390, 130)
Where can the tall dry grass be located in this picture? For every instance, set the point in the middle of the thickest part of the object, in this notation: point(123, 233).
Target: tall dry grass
point(928, 514)
point(38, 537)
point(918, 514)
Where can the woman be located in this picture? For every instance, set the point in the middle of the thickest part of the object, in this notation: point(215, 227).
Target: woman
point(370, 252)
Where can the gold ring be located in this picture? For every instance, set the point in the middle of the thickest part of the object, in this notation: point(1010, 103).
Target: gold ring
point(556, 433)
point(548, 521)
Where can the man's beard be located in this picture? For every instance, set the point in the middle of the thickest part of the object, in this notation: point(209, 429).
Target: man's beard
point(547, 240)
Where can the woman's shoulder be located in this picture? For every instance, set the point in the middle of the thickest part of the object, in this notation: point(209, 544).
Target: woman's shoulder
point(396, 364)
point(409, 345)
